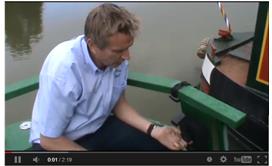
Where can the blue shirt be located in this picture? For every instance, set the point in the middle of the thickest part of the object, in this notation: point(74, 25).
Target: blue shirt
point(74, 96)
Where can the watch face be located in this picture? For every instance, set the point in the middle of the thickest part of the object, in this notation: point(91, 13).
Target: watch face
point(158, 124)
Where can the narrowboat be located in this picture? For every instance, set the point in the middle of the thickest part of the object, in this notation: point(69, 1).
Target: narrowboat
point(235, 70)
point(218, 110)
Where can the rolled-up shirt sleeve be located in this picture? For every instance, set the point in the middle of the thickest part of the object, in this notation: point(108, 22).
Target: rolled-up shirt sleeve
point(57, 98)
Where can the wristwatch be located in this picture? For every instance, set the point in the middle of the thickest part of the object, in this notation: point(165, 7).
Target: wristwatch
point(151, 127)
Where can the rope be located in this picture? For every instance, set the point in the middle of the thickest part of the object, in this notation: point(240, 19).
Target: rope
point(223, 13)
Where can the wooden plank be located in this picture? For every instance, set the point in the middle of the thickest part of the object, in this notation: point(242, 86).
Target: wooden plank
point(21, 87)
point(211, 107)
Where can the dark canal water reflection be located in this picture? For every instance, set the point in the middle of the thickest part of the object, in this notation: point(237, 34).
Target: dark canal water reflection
point(23, 26)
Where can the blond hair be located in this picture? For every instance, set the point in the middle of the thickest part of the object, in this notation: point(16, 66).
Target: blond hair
point(108, 19)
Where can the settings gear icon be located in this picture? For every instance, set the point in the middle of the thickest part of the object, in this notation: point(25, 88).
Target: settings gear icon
point(223, 159)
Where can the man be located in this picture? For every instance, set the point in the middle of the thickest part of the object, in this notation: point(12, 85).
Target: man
point(80, 104)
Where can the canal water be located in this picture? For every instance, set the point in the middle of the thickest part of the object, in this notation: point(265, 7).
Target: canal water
point(166, 46)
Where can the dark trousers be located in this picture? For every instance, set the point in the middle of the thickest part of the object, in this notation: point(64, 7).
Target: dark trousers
point(115, 135)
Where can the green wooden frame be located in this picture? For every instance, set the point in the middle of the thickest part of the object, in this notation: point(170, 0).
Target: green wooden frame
point(214, 113)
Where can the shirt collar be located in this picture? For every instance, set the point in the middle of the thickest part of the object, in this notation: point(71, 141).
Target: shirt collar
point(88, 59)
point(87, 56)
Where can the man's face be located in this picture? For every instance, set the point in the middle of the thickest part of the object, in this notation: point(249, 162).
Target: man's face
point(117, 50)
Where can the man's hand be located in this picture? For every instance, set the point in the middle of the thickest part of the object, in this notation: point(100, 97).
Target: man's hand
point(170, 137)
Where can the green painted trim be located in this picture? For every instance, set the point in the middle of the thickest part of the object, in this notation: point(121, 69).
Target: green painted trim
point(257, 47)
point(156, 83)
point(214, 113)
point(21, 87)
point(16, 138)
point(219, 136)
point(212, 107)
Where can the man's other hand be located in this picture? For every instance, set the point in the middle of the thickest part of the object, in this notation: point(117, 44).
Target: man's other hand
point(170, 137)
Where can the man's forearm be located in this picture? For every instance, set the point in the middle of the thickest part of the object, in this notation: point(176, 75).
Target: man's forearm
point(130, 116)
point(167, 135)
point(60, 144)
